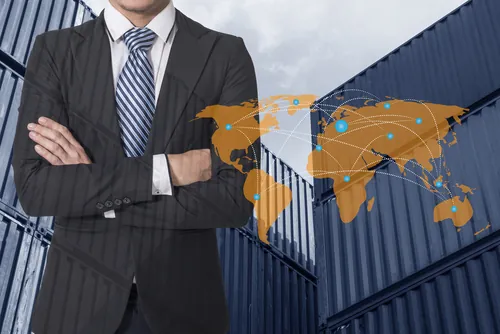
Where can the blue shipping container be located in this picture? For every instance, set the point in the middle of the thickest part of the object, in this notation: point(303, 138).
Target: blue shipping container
point(454, 62)
point(293, 232)
point(459, 295)
point(399, 236)
point(266, 291)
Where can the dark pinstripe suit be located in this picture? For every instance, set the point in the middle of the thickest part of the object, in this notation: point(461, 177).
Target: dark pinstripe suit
point(168, 242)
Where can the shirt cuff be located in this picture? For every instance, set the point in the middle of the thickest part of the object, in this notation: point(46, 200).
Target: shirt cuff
point(162, 184)
point(110, 214)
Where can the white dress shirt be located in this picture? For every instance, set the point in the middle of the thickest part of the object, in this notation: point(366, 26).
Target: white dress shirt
point(163, 25)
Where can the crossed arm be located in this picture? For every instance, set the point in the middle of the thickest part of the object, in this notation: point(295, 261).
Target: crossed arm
point(56, 144)
point(51, 168)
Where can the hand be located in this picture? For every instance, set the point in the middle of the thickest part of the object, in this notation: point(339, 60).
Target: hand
point(190, 167)
point(56, 143)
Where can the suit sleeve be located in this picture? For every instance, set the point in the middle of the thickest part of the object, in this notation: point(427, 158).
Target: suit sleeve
point(220, 201)
point(67, 190)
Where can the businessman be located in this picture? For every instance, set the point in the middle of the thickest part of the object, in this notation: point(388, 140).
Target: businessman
point(105, 143)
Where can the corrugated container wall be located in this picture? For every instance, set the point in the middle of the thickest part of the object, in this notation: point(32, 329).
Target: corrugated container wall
point(270, 288)
point(293, 232)
point(463, 297)
point(454, 62)
point(273, 288)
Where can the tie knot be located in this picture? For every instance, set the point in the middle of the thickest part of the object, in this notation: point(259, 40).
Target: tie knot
point(139, 39)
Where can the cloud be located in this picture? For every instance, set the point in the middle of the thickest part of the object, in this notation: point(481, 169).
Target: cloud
point(312, 46)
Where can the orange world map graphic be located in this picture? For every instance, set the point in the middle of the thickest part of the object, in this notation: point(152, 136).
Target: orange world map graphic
point(353, 141)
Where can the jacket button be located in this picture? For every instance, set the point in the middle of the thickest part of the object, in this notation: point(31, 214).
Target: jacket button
point(126, 200)
point(118, 201)
point(99, 205)
point(108, 204)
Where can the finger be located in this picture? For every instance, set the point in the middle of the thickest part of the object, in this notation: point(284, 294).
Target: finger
point(57, 132)
point(52, 135)
point(49, 145)
point(51, 158)
point(51, 124)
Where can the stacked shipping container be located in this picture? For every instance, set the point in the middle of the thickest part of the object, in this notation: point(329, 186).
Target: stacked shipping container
point(388, 252)
point(270, 288)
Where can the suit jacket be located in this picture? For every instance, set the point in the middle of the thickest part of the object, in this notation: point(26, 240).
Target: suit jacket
point(168, 242)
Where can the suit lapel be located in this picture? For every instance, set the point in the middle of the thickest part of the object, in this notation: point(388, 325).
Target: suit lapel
point(92, 60)
point(188, 57)
point(96, 94)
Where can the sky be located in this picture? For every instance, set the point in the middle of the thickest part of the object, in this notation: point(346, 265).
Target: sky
point(311, 46)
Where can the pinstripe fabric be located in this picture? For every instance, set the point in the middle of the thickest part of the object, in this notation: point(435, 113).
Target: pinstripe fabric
point(75, 296)
point(135, 92)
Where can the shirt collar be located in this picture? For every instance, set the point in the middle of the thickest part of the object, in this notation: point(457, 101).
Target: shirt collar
point(118, 24)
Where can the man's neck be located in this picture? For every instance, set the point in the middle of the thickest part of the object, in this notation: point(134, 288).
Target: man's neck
point(139, 19)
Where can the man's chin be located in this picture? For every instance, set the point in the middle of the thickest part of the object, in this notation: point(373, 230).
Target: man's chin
point(140, 7)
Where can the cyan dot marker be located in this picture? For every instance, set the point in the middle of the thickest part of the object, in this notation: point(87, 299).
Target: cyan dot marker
point(390, 135)
point(229, 126)
point(296, 102)
point(419, 120)
point(256, 197)
point(454, 209)
point(439, 184)
point(387, 105)
point(341, 125)
point(347, 178)
point(319, 147)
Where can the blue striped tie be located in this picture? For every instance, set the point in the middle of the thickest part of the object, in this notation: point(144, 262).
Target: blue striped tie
point(135, 92)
